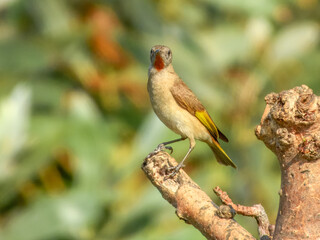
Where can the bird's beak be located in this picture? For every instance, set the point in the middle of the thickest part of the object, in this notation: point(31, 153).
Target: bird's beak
point(158, 61)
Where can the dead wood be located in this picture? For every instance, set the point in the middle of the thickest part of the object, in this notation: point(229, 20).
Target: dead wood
point(290, 127)
point(191, 203)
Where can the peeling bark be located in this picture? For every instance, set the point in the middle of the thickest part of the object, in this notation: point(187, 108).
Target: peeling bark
point(290, 127)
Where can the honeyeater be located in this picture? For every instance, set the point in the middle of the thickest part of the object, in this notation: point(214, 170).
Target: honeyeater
point(179, 109)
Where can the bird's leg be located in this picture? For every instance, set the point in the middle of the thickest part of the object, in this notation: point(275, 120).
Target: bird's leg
point(162, 146)
point(176, 169)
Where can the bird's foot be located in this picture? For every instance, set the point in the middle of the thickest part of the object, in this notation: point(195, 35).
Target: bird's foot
point(173, 171)
point(160, 148)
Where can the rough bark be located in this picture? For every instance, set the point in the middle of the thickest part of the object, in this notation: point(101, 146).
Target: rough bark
point(257, 211)
point(191, 203)
point(290, 127)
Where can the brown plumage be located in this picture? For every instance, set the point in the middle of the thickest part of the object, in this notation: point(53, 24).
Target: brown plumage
point(188, 101)
point(179, 109)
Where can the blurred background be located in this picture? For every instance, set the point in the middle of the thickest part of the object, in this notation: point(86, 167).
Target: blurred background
point(76, 122)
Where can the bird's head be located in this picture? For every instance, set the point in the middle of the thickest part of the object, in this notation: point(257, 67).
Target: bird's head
point(160, 57)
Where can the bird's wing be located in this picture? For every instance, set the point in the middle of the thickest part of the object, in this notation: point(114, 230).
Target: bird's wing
point(187, 100)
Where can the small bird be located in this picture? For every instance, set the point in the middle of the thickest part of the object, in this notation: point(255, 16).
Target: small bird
point(179, 108)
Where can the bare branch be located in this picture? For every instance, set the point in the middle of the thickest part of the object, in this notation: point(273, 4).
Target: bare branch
point(256, 211)
point(290, 127)
point(191, 203)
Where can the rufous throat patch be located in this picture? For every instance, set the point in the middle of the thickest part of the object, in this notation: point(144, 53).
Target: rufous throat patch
point(158, 63)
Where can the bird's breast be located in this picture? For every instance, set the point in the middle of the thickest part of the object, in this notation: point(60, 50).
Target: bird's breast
point(161, 99)
point(170, 113)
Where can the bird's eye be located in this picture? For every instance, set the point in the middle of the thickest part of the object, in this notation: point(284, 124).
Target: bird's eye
point(169, 53)
point(151, 52)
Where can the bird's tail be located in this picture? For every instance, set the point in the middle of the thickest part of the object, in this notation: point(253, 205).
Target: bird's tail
point(220, 155)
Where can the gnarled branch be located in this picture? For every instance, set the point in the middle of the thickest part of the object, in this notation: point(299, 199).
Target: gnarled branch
point(256, 211)
point(290, 127)
point(191, 203)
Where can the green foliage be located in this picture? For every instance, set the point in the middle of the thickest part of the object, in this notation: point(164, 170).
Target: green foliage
point(76, 123)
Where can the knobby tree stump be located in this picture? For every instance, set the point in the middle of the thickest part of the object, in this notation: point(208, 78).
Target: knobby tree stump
point(290, 127)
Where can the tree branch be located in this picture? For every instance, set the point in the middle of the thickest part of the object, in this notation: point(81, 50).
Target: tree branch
point(256, 211)
point(191, 203)
point(290, 127)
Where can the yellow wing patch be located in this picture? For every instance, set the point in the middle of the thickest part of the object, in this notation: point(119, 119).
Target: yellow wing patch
point(206, 120)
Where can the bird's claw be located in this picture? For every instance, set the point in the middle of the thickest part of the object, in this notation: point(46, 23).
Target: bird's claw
point(162, 147)
point(170, 148)
point(173, 171)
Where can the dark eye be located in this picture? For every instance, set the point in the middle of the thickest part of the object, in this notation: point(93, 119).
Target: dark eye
point(169, 53)
point(151, 52)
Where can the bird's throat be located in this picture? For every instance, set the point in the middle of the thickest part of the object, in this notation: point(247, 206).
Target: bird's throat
point(158, 63)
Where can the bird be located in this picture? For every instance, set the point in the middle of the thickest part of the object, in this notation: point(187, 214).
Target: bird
point(180, 110)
